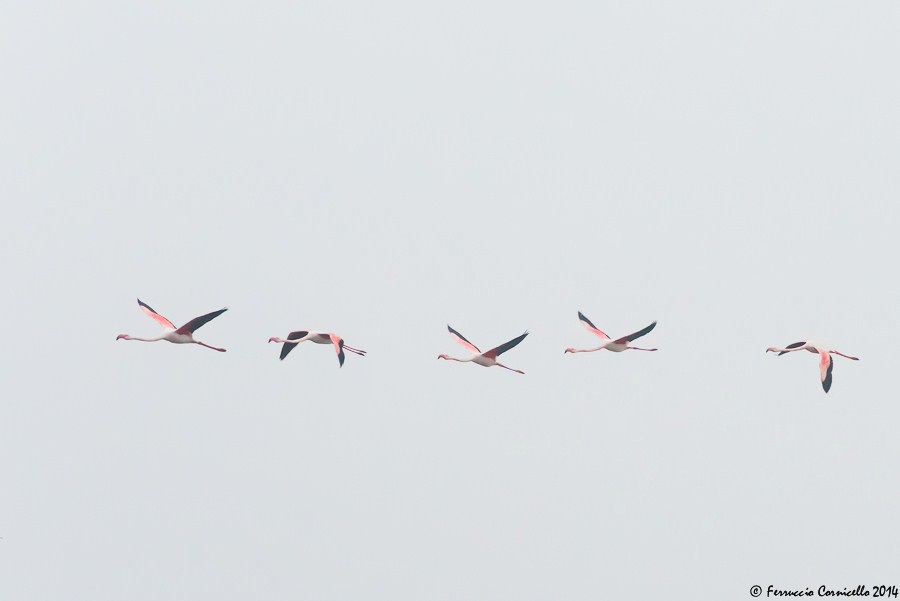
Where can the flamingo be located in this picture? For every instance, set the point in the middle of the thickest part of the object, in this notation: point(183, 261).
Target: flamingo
point(488, 359)
point(618, 345)
point(182, 335)
point(295, 338)
point(826, 363)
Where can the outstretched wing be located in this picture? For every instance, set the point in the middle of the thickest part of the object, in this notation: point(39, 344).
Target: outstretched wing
point(591, 327)
point(159, 318)
point(496, 352)
point(287, 347)
point(826, 364)
point(636, 335)
point(194, 324)
point(338, 343)
point(793, 345)
point(462, 340)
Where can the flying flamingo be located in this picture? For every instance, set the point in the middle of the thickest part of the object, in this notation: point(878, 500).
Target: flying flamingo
point(618, 345)
point(295, 338)
point(182, 335)
point(488, 359)
point(826, 363)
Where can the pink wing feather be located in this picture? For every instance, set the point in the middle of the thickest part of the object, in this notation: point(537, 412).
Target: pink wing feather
point(826, 364)
point(159, 318)
point(462, 340)
point(591, 327)
point(338, 347)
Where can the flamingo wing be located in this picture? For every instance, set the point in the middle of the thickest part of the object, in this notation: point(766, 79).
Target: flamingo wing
point(195, 324)
point(636, 335)
point(826, 364)
point(338, 343)
point(496, 352)
point(159, 318)
point(462, 340)
point(287, 347)
point(591, 327)
point(792, 345)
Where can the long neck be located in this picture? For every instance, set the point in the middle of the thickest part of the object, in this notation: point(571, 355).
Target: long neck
point(587, 350)
point(448, 358)
point(146, 339)
point(786, 350)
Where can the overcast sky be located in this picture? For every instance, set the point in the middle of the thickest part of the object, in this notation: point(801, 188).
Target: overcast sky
point(383, 169)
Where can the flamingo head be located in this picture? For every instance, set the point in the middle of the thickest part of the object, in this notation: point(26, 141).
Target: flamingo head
point(571, 349)
point(443, 357)
point(273, 339)
point(771, 349)
point(121, 336)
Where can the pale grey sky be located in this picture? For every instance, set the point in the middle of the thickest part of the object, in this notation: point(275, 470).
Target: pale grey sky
point(383, 169)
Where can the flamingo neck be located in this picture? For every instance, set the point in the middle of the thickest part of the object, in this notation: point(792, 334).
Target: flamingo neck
point(145, 339)
point(785, 350)
point(448, 358)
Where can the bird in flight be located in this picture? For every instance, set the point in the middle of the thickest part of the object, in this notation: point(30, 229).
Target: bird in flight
point(295, 338)
point(618, 345)
point(182, 335)
point(488, 359)
point(826, 361)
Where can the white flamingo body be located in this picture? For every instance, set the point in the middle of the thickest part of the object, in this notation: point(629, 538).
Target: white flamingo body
point(615, 345)
point(182, 335)
point(486, 359)
point(295, 338)
point(826, 362)
point(483, 361)
point(611, 345)
point(176, 338)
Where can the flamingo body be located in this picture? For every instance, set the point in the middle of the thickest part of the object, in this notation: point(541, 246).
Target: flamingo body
point(486, 359)
point(826, 361)
point(182, 335)
point(295, 338)
point(615, 345)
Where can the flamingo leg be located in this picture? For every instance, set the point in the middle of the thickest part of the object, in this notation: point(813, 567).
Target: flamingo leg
point(221, 350)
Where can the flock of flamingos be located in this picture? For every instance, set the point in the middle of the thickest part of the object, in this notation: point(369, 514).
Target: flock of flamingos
point(185, 335)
